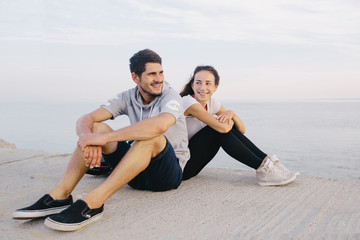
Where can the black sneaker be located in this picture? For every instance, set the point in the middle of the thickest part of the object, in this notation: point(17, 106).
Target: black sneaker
point(76, 216)
point(104, 169)
point(45, 206)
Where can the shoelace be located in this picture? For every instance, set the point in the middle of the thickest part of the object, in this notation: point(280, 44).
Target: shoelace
point(277, 162)
point(280, 165)
point(277, 171)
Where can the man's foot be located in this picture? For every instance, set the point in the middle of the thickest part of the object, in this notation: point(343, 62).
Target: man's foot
point(45, 206)
point(270, 175)
point(277, 163)
point(76, 216)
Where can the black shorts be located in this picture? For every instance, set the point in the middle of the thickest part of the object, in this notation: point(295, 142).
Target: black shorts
point(162, 174)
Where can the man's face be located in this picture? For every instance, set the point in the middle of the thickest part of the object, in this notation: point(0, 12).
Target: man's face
point(150, 83)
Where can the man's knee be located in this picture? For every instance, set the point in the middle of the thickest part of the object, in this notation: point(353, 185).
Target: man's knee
point(101, 128)
point(154, 145)
point(104, 128)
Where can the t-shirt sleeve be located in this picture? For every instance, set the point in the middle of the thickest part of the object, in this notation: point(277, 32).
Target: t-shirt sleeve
point(188, 101)
point(215, 106)
point(172, 104)
point(116, 105)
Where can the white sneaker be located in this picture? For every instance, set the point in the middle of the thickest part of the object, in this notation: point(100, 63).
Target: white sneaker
point(277, 163)
point(270, 175)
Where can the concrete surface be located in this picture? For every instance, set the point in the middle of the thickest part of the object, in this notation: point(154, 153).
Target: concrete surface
point(217, 204)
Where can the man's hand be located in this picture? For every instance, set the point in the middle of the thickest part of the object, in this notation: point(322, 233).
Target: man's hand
point(92, 156)
point(91, 139)
point(90, 144)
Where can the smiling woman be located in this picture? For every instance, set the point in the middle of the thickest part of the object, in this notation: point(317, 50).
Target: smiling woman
point(207, 134)
point(204, 86)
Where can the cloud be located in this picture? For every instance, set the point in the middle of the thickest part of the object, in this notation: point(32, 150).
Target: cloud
point(334, 23)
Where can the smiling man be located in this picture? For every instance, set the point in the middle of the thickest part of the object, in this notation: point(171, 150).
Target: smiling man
point(150, 154)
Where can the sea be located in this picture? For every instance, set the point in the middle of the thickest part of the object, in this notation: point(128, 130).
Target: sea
point(314, 137)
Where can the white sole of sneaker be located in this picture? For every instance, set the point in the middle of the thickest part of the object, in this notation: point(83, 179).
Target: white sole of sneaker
point(30, 214)
point(67, 227)
point(278, 183)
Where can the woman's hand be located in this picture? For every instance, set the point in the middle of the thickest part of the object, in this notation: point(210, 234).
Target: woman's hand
point(226, 117)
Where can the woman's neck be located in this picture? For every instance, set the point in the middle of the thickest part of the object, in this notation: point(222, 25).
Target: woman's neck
point(202, 103)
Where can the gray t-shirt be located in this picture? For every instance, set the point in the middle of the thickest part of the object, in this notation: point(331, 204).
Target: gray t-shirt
point(131, 104)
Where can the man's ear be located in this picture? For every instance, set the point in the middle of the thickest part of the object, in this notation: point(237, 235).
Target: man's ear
point(135, 77)
point(216, 86)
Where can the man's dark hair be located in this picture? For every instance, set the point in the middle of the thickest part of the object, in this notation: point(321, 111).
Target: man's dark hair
point(187, 90)
point(138, 61)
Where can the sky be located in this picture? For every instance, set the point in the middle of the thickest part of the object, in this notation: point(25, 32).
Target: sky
point(79, 50)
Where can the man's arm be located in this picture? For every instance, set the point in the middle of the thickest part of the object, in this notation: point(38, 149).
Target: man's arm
point(143, 130)
point(85, 123)
point(92, 154)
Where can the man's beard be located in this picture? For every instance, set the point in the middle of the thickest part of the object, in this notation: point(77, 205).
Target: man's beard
point(152, 95)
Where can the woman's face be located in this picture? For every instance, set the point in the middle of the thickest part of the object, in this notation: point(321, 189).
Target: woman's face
point(203, 86)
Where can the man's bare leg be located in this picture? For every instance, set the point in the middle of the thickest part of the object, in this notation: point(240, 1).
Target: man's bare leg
point(76, 167)
point(135, 161)
point(75, 171)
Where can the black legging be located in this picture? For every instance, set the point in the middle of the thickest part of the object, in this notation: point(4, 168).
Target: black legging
point(206, 143)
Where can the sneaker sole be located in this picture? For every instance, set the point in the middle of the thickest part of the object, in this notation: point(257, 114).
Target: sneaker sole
point(278, 183)
point(71, 226)
point(31, 214)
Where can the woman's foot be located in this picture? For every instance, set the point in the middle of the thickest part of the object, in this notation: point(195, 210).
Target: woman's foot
point(277, 163)
point(272, 175)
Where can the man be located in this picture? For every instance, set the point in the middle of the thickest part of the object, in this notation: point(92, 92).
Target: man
point(153, 162)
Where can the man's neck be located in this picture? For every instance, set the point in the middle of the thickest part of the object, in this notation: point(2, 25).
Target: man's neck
point(147, 100)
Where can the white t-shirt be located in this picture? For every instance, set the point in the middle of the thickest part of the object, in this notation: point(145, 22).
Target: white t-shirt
point(192, 123)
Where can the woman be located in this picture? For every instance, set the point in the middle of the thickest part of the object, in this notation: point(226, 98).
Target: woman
point(208, 133)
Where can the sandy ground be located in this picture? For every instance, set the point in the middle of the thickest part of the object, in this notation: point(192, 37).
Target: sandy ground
point(217, 204)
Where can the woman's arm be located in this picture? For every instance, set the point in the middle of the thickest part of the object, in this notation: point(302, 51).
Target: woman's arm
point(200, 113)
point(227, 115)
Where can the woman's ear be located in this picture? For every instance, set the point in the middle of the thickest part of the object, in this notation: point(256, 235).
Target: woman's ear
point(216, 86)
